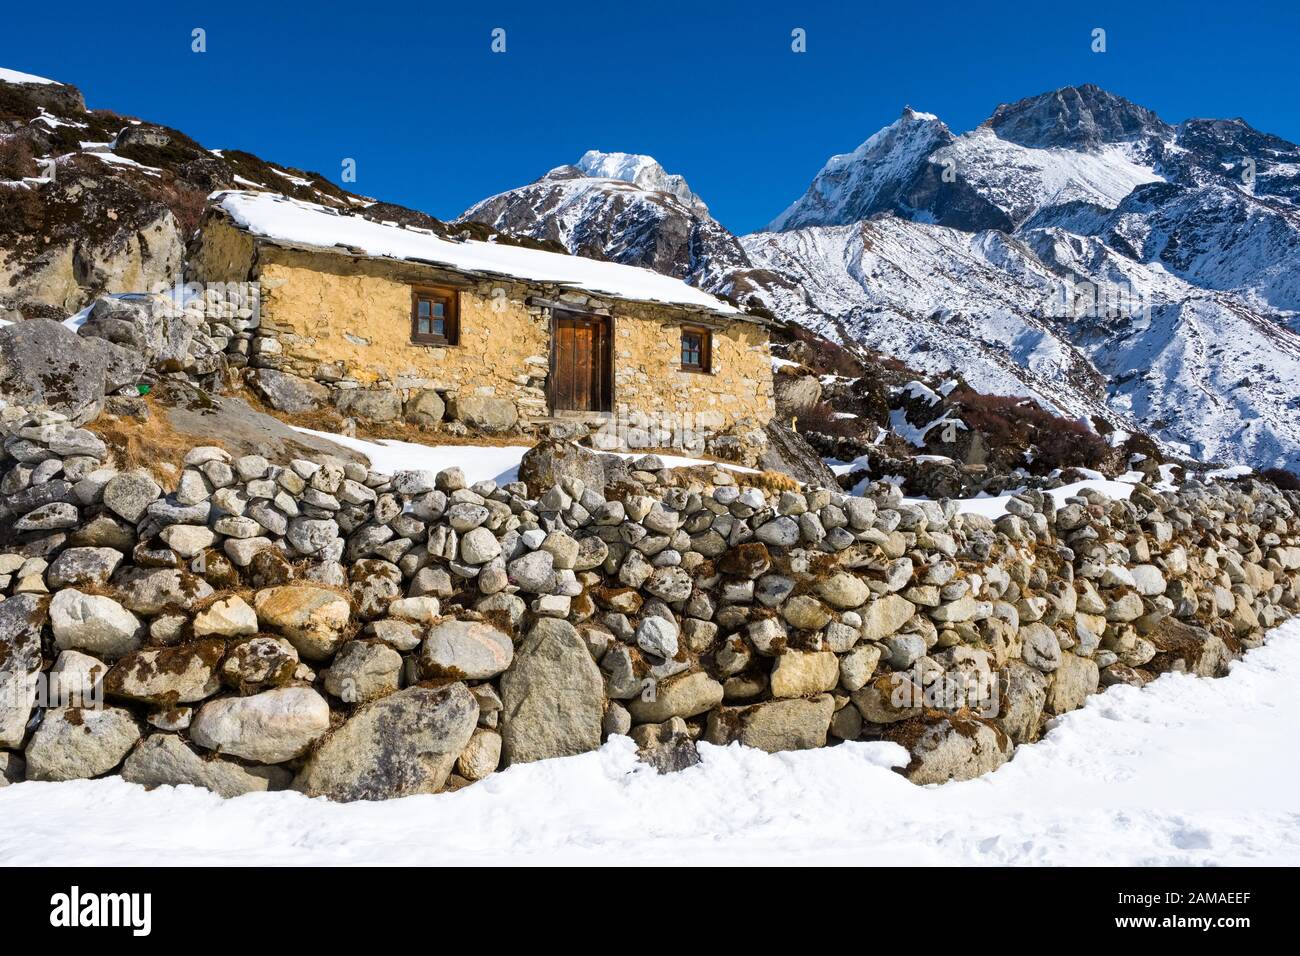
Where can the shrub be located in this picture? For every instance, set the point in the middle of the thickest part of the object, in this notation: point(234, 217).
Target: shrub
point(1009, 421)
point(821, 418)
point(16, 160)
point(1286, 480)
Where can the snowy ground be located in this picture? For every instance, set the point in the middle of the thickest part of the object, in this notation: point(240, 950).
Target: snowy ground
point(479, 462)
point(1185, 771)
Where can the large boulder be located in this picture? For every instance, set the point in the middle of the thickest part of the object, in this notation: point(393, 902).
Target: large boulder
point(285, 392)
point(21, 619)
point(465, 650)
point(486, 413)
point(1071, 683)
point(371, 404)
point(45, 364)
point(93, 623)
point(75, 743)
point(549, 461)
point(950, 748)
point(774, 726)
point(168, 675)
point(313, 618)
point(164, 760)
point(684, 696)
point(270, 727)
point(403, 744)
point(553, 697)
point(787, 452)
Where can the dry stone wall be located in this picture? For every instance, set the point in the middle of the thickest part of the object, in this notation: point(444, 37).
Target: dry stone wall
point(355, 635)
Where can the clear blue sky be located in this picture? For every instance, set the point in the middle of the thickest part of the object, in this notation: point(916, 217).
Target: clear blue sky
point(712, 89)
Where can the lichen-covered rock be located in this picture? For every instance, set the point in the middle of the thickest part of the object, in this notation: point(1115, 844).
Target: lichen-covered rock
point(93, 623)
point(45, 364)
point(685, 696)
point(163, 760)
point(404, 744)
point(549, 461)
point(363, 671)
point(270, 727)
point(950, 748)
point(553, 697)
point(465, 650)
point(775, 726)
point(314, 619)
point(149, 591)
point(21, 619)
point(259, 663)
point(76, 743)
point(1023, 696)
point(168, 676)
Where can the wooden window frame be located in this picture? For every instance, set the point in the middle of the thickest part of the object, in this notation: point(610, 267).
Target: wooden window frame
point(705, 366)
point(451, 316)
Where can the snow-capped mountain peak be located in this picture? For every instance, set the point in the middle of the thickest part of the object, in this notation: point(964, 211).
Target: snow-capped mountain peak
point(1076, 117)
point(872, 178)
point(642, 171)
point(621, 207)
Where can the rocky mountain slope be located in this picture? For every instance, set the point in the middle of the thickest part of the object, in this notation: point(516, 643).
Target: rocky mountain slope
point(621, 207)
point(93, 202)
point(1075, 248)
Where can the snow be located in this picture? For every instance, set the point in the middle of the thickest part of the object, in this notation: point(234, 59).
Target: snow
point(994, 506)
point(1229, 473)
point(1187, 771)
point(479, 462)
point(13, 76)
point(291, 220)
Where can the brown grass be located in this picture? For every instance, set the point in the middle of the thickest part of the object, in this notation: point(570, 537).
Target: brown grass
point(155, 445)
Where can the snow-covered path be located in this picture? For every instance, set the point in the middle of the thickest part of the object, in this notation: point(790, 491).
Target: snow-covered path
point(1186, 771)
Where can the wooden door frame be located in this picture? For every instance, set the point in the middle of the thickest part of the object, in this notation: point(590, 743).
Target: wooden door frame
point(607, 321)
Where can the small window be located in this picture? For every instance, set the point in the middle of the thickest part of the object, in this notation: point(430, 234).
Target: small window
point(697, 350)
point(434, 317)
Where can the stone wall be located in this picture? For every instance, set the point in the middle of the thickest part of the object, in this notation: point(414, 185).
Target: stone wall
point(359, 636)
point(345, 322)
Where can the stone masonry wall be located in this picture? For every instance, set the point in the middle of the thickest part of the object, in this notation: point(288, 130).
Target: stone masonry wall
point(356, 635)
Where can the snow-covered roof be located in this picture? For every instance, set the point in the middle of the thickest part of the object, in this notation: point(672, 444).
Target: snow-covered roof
point(280, 219)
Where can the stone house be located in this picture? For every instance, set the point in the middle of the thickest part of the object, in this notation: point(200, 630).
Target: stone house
point(386, 315)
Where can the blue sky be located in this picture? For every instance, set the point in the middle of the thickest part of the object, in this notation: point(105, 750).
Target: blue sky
point(436, 120)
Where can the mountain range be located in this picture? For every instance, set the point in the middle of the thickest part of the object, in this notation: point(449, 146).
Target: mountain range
point(1075, 248)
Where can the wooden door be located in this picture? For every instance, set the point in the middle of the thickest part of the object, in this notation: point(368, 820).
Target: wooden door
point(580, 365)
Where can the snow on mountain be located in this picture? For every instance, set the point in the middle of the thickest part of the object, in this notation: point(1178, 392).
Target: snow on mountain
point(622, 208)
point(641, 171)
point(1074, 247)
point(1022, 180)
point(872, 178)
point(13, 76)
